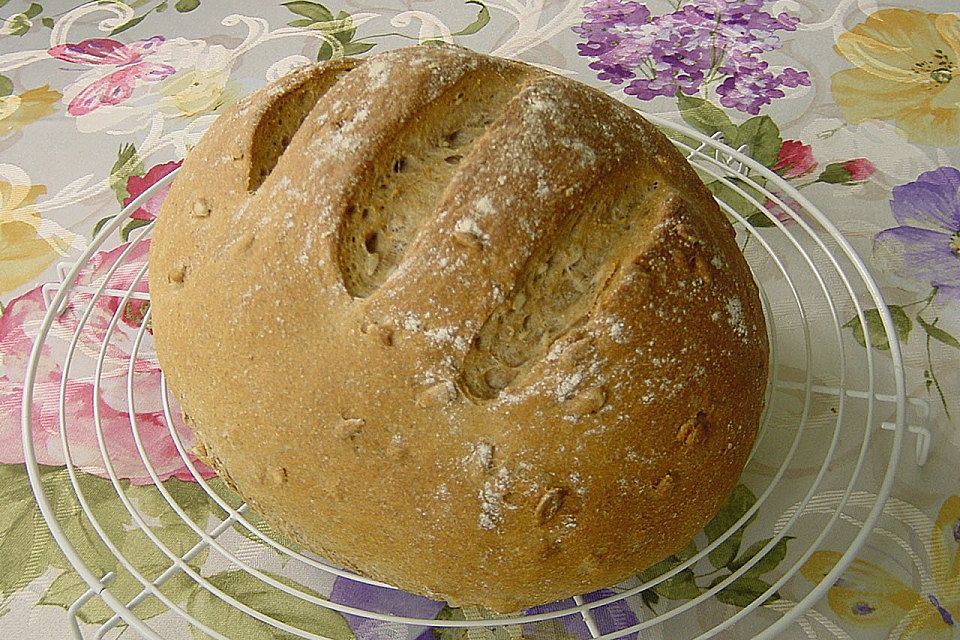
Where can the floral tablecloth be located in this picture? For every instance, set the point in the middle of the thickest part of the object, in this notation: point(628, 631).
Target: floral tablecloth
point(856, 103)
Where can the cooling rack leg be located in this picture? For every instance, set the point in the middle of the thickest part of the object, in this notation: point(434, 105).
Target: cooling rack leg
point(49, 290)
point(924, 439)
point(171, 571)
point(82, 600)
point(588, 618)
point(654, 633)
point(736, 165)
point(718, 136)
point(922, 434)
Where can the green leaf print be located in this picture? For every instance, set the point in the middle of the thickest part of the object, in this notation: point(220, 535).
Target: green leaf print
point(342, 30)
point(745, 205)
point(743, 591)
point(357, 48)
point(101, 223)
point(267, 600)
point(186, 6)
point(760, 220)
point(878, 334)
point(131, 226)
point(252, 517)
point(315, 11)
point(681, 586)
point(450, 633)
point(737, 504)
point(24, 549)
point(760, 133)
point(189, 496)
point(937, 333)
point(25, 543)
point(762, 137)
point(147, 559)
point(18, 24)
point(129, 24)
point(704, 116)
point(770, 561)
point(102, 501)
point(129, 539)
point(543, 630)
point(347, 30)
point(128, 163)
point(482, 20)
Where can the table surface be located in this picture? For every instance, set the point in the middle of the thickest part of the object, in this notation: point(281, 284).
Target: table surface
point(860, 109)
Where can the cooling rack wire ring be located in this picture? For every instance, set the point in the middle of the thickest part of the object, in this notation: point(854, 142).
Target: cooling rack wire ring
point(734, 169)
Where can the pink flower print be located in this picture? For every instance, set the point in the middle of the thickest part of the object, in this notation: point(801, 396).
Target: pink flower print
point(795, 159)
point(859, 169)
point(138, 184)
point(784, 216)
point(18, 329)
point(117, 86)
point(849, 172)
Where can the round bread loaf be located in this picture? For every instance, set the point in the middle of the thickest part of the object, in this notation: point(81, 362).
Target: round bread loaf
point(459, 324)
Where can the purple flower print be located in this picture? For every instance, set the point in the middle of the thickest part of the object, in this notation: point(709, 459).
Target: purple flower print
point(944, 614)
point(926, 245)
point(372, 598)
point(704, 43)
point(609, 618)
point(862, 609)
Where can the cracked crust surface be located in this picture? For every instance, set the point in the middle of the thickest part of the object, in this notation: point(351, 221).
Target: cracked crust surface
point(459, 324)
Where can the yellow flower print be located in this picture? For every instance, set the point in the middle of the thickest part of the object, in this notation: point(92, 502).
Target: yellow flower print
point(195, 92)
point(907, 69)
point(19, 110)
point(868, 596)
point(24, 253)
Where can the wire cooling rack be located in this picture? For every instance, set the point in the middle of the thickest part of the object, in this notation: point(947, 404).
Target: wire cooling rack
point(832, 406)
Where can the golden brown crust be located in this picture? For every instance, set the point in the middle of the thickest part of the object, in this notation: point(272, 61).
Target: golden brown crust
point(471, 328)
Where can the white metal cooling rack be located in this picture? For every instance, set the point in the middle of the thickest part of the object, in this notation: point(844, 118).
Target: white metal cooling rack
point(830, 405)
